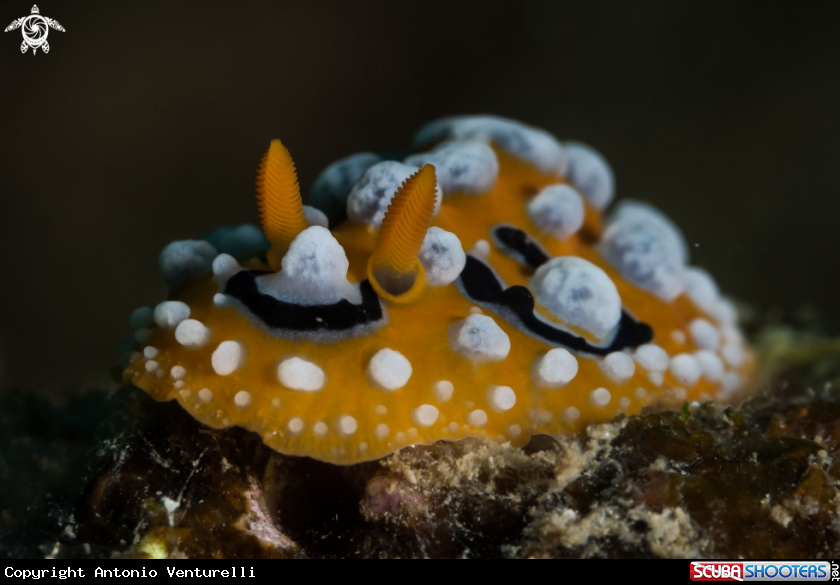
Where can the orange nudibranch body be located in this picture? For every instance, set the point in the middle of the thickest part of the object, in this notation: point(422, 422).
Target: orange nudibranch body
point(473, 289)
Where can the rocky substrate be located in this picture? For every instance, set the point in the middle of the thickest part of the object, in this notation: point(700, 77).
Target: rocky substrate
point(120, 475)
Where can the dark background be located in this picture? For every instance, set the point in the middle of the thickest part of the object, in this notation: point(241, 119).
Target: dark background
point(145, 122)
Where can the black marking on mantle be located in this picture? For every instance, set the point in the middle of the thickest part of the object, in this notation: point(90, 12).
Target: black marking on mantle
point(279, 314)
point(481, 285)
point(518, 244)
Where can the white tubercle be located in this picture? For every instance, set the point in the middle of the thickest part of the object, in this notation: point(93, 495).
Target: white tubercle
point(645, 255)
point(501, 398)
point(347, 425)
point(389, 369)
point(726, 312)
point(579, 293)
point(701, 288)
point(656, 378)
point(332, 186)
point(600, 397)
point(443, 390)
point(192, 334)
point(685, 369)
point(224, 266)
point(228, 357)
point(640, 211)
point(590, 173)
point(295, 425)
point(479, 338)
point(243, 399)
point(731, 382)
point(300, 374)
point(169, 313)
point(442, 256)
point(314, 272)
point(467, 167)
point(704, 334)
point(571, 414)
point(731, 333)
point(618, 367)
point(557, 210)
point(481, 249)
point(315, 216)
point(425, 415)
point(734, 354)
point(555, 369)
point(652, 357)
point(711, 366)
point(477, 418)
point(534, 145)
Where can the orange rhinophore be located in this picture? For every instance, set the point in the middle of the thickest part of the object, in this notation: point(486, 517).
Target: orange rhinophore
point(394, 269)
point(279, 201)
point(475, 288)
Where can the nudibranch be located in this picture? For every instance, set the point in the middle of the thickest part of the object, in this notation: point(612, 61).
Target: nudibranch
point(474, 289)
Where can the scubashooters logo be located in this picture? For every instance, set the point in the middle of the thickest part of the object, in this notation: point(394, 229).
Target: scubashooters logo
point(35, 29)
point(761, 571)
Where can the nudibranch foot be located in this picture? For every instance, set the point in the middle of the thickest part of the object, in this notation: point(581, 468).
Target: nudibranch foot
point(473, 290)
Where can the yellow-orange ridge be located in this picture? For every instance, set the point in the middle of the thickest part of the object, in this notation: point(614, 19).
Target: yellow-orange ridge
point(279, 201)
point(394, 270)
